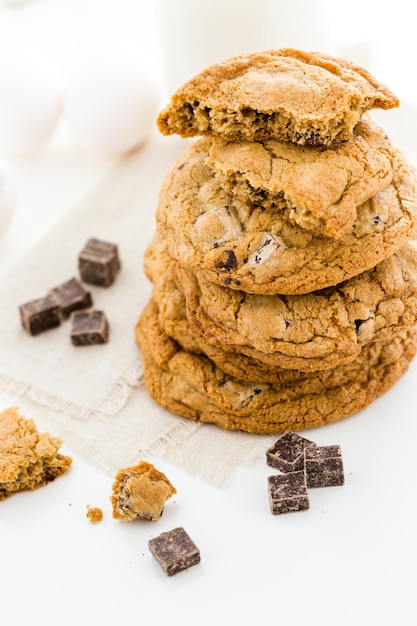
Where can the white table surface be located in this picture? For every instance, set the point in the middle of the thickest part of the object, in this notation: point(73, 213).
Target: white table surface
point(349, 560)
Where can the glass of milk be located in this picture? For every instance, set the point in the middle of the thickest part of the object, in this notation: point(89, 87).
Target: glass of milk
point(195, 34)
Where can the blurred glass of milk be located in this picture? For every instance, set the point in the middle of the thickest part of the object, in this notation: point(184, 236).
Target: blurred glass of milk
point(197, 33)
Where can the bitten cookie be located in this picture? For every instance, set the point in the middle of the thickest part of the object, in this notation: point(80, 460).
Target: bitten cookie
point(321, 187)
point(191, 385)
point(28, 459)
point(289, 95)
point(248, 248)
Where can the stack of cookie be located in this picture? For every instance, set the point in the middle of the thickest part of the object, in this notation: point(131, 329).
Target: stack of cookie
point(284, 266)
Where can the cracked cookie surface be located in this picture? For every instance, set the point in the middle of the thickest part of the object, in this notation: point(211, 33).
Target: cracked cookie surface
point(168, 308)
point(308, 332)
point(192, 386)
point(289, 95)
point(249, 248)
point(322, 187)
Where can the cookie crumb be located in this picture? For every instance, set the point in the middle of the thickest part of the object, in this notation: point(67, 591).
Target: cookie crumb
point(94, 514)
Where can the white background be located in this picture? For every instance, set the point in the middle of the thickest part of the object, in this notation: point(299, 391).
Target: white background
point(350, 559)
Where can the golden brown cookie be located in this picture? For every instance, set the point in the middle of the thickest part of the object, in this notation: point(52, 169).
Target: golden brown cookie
point(28, 459)
point(168, 310)
point(248, 248)
point(140, 492)
point(321, 187)
point(308, 332)
point(191, 385)
point(308, 98)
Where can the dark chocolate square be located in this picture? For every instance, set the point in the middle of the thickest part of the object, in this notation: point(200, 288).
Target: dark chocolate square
point(89, 328)
point(175, 551)
point(72, 296)
point(98, 263)
point(324, 466)
point(287, 453)
point(288, 492)
point(40, 315)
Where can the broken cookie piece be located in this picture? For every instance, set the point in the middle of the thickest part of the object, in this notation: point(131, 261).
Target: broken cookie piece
point(140, 492)
point(175, 551)
point(28, 459)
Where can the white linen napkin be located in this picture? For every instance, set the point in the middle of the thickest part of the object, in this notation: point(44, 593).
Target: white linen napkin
point(94, 397)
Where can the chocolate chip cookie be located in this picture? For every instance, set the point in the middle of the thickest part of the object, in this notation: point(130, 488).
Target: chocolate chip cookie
point(322, 187)
point(169, 311)
point(307, 98)
point(249, 248)
point(191, 385)
point(308, 332)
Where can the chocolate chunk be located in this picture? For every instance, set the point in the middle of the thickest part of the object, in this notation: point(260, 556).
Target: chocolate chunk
point(218, 226)
point(364, 328)
point(270, 245)
point(72, 296)
point(324, 466)
point(89, 328)
point(98, 263)
point(175, 551)
point(287, 453)
point(288, 493)
point(229, 262)
point(40, 315)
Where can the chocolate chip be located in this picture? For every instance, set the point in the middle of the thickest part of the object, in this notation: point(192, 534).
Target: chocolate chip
point(230, 261)
point(40, 315)
point(89, 328)
point(175, 551)
point(98, 263)
point(72, 296)
point(308, 139)
point(270, 244)
point(358, 323)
